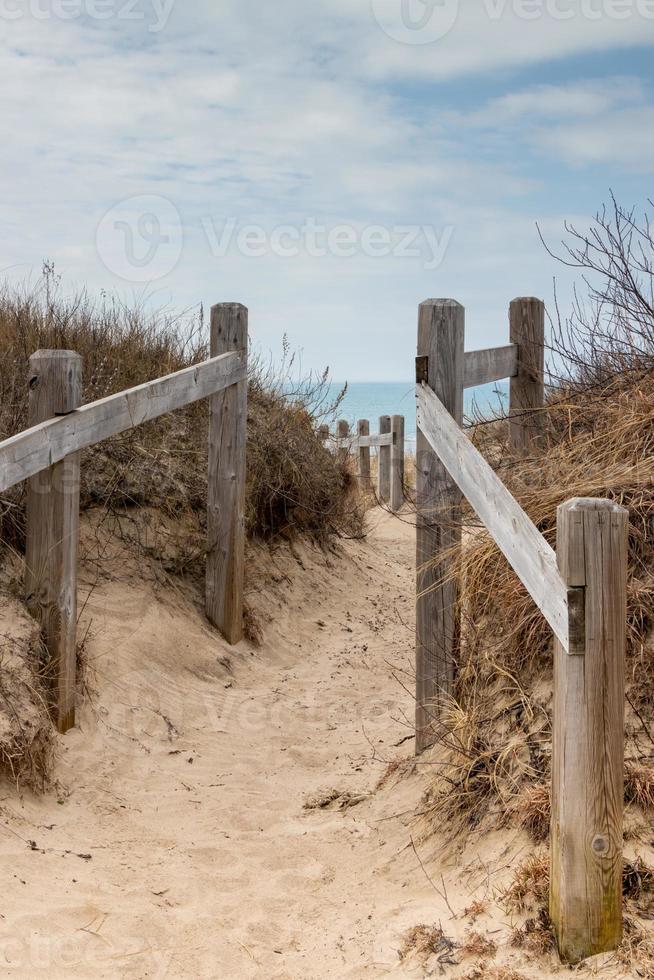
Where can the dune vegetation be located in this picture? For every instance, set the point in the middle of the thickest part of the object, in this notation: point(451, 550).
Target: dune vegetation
point(148, 486)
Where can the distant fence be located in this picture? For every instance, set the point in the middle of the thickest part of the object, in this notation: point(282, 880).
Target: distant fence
point(47, 454)
point(390, 455)
point(581, 591)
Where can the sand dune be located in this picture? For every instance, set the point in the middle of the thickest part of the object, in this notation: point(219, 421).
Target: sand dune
point(216, 812)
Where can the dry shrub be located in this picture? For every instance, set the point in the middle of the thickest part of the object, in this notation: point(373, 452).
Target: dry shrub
point(422, 942)
point(26, 732)
point(478, 907)
point(294, 483)
point(535, 936)
point(636, 951)
point(477, 945)
point(490, 744)
point(485, 972)
point(529, 888)
point(598, 426)
point(532, 809)
point(147, 488)
point(638, 884)
point(639, 785)
point(599, 444)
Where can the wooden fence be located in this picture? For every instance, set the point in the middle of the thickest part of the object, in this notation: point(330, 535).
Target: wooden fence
point(580, 590)
point(47, 454)
point(389, 444)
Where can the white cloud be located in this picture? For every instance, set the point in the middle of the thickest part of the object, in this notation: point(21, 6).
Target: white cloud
point(589, 98)
point(270, 114)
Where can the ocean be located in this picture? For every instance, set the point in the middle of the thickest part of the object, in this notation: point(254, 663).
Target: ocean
point(370, 399)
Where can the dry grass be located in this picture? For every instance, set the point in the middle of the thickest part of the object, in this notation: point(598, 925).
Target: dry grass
point(639, 785)
point(485, 972)
point(422, 942)
point(479, 907)
point(495, 737)
point(636, 951)
point(535, 936)
point(529, 888)
point(532, 809)
point(477, 945)
point(26, 732)
point(147, 488)
point(294, 483)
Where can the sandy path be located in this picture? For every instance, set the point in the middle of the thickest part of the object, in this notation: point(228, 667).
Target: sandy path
point(177, 843)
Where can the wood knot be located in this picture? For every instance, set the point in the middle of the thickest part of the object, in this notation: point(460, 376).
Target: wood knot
point(34, 382)
point(600, 845)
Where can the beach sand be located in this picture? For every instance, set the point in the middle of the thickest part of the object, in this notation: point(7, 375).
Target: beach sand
point(215, 812)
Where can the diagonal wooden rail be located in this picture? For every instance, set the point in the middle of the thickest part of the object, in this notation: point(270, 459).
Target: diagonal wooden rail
point(581, 591)
point(27, 453)
point(47, 455)
point(518, 538)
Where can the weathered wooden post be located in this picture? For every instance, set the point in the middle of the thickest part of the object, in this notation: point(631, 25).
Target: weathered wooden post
point(440, 364)
point(527, 388)
point(55, 385)
point(384, 462)
point(226, 491)
point(588, 731)
point(363, 429)
point(343, 435)
point(323, 433)
point(397, 463)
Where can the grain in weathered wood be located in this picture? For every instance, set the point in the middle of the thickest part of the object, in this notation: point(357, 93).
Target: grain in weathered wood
point(227, 472)
point(374, 441)
point(55, 385)
point(384, 460)
point(26, 454)
point(363, 430)
point(397, 463)
point(588, 732)
point(494, 364)
point(527, 387)
point(519, 540)
point(441, 337)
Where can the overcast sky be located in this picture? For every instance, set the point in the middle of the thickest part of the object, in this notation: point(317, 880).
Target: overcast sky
point(329, 163)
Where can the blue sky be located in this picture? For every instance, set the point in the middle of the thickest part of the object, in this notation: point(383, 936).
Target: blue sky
point(184, 151)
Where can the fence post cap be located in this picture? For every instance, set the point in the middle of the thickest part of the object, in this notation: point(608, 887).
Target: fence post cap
point(527, 299)
point(592, 503)
point(56, 355)
point(221, 306)
point(441, 302)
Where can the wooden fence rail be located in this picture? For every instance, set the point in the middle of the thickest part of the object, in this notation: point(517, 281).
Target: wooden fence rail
point(581, 592)
point(390, 446)
point(47, 454)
